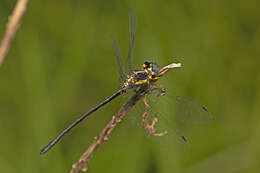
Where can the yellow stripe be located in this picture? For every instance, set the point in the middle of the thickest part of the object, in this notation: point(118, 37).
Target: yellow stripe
point(141, 82)
point(139, 72)
point(155, 78)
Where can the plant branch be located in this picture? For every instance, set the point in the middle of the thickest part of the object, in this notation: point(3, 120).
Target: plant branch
point(13, 24)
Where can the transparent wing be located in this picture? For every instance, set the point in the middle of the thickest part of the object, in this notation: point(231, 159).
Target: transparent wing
point(172, 136)
point(180, 109)
point(190, 112)
point(118, 58)
point(132, 30)
point(172, 111)
point(155, 103)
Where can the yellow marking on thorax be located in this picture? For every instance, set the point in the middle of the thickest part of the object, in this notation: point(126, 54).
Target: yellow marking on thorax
point(141, 82)
point(136, 72)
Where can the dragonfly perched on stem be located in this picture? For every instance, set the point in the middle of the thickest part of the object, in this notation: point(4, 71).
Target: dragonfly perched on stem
point(145, 77)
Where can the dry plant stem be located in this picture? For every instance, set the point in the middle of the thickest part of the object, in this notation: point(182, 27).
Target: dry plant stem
point(11, 27)
point(150, 127)
point(103, 136)
point(165, 69)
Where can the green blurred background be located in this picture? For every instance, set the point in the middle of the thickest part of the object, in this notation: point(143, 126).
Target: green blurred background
point(62, 63)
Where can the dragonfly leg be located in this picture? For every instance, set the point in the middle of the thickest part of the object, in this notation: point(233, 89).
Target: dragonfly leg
point(159, 91)
point(147, 126)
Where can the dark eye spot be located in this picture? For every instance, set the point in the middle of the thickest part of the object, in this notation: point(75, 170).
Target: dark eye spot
point(146, 63)
point(204, 108)
point(184, 139)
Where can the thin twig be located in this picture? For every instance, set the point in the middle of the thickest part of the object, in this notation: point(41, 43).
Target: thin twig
point(81, 165)
point(165, 69)
point(13, 24)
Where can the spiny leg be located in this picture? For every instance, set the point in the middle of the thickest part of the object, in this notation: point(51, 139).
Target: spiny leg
point(158, 90)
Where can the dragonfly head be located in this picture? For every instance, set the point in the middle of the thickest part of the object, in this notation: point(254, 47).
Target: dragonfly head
point(152, 69)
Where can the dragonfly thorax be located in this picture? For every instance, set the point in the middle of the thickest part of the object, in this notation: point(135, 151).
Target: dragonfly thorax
point(135, 79)
point(141, 77)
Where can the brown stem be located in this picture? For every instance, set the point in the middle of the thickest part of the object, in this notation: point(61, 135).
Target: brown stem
point(13, 24)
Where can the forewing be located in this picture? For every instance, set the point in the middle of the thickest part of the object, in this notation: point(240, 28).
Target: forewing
point(132, 30)
point(118, 58)
point(173, 137)
point(188, 111)
point(182, 110)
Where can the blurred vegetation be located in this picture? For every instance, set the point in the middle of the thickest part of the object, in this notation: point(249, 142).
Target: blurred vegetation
point(62, 63)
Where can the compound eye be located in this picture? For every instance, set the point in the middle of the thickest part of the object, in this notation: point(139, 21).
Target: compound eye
point(155, 68)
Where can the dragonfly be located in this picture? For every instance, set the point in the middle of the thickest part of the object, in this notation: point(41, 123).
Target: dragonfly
point(147, 75)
